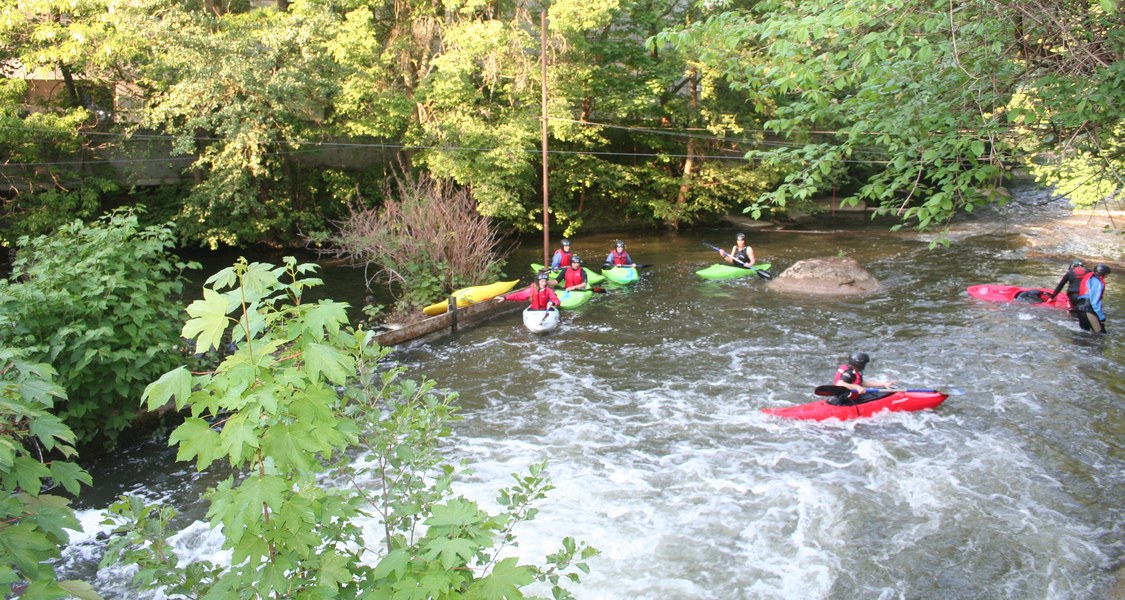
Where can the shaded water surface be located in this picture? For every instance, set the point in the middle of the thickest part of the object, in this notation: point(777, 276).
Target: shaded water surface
point(646, 405)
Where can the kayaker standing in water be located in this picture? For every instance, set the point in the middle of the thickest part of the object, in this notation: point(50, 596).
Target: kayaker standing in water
point(741, 254)
point(573, 278)
point(850, 375)
point(618, 257)
point(1072, 279)
point(561, 257)
point(542, 297)
point(1088, 307)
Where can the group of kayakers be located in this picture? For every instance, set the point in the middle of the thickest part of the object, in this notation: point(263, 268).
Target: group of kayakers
point(570, 275)
point(1085, 289)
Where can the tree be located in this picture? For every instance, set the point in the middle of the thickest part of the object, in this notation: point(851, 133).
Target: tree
point(925, 107)
point(43, 147)
point(289, 410)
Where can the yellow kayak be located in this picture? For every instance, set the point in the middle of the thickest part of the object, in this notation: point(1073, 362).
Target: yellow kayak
point(471, 295)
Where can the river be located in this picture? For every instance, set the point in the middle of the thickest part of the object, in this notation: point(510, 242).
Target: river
point(646, 403)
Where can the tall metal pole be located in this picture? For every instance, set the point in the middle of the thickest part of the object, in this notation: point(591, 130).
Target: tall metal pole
point(543, 118)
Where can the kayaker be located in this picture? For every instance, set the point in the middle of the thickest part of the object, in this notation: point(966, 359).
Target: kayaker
point(618, 257)
point(850, 375)
point(541, 295)
point(1088, 307)
point(741, 254)
point(574, 276)
point(1072, 279)
point(561, 257)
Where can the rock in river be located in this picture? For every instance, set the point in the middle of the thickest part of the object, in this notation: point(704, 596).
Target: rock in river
point(834, 275)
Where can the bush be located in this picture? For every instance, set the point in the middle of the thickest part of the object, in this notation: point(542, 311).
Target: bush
point(96, 302)
point(426, 240)
point(290, 410)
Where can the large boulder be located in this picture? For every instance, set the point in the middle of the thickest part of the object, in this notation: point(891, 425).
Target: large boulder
point(839, 276)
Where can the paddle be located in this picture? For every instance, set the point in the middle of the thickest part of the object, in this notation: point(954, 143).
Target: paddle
point(546, 313)
point(761, 273)
point(836, 390)
point(638, 266)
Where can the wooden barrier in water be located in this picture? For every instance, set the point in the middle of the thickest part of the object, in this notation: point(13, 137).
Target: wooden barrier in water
point(449, 322)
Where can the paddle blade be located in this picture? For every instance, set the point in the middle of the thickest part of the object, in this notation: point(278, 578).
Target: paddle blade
point(599, 290)
point(830, 390)
point(765, 274)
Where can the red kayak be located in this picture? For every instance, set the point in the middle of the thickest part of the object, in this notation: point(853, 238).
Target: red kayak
point(995, 292)
point(900, 400)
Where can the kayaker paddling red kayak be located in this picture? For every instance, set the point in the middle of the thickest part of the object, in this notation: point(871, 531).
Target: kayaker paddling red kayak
point(891, 401)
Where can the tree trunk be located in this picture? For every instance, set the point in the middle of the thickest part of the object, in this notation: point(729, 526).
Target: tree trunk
point(692, 149)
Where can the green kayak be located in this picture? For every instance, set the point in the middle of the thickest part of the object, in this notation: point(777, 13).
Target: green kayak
point(574, 298)
point(621, 275)
point(725, 271)
point(592, 278)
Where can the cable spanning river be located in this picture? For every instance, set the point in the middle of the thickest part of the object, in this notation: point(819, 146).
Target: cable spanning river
point(646, 403)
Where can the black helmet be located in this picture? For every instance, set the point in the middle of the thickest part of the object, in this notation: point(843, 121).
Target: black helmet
point(1076, 263)
point(544, 275)
point(740, 236)
point(1102, 270)
point(619, 244)
point(564, 242)
point(575, 259)
point(859, 359)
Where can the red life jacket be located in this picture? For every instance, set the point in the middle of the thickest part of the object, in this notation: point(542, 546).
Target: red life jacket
point(564, 258)
point(856, 373)
point(1074, 279)
point(572, 277)
point(540, 298)
point(1083, 288)
point(621, 258)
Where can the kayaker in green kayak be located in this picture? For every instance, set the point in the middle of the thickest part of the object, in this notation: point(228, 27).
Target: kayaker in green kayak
point(573, 278)
point(618, 257)
point(561, 258)
point(741, 254)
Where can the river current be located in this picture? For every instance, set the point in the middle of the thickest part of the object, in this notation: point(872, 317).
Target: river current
point(646, 405)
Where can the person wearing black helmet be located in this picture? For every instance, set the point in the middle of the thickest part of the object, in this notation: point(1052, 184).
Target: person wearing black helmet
point(561, 257)
point(573, 277)
point(741, 254)
point(618, 257)
point(1073, 280)
point(541, 295)
point(1088, 307)
point(850, 375)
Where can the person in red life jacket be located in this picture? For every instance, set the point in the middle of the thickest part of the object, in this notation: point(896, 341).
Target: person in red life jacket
point(1088, 307)
point(561, 257)
point(1072, 279)
point(574, 276)
point(850, 375)
point(741, 254)
point(618, 257)
point(542, 297)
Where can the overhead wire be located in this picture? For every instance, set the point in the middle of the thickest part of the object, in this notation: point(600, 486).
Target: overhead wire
point(321, 145)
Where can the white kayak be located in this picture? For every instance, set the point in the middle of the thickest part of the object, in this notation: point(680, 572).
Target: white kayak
point(538, 321)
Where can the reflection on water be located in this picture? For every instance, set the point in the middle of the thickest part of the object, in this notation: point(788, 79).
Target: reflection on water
point(646, 403)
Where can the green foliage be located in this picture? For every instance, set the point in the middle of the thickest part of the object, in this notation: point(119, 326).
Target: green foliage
point(34, 444)
point(97, 302)
point(916, 105)
point(302, 406)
